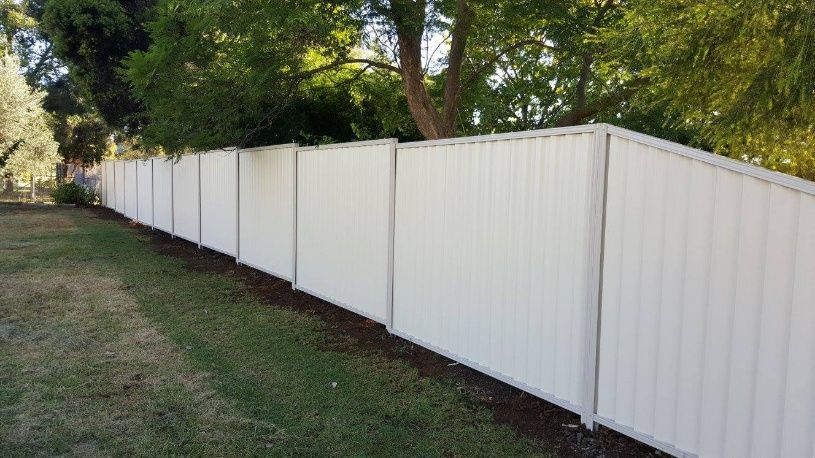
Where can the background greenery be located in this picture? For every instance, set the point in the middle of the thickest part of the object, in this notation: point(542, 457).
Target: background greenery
point(729, 76)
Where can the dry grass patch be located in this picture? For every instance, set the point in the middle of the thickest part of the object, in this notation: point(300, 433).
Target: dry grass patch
point(86, 365)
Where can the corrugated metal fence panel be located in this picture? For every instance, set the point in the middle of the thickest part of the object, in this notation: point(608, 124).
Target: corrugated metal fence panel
point(119, 186)
point(103, 197)
point(110, 185)
point(163, 194)
point(131, 193)
point(145, 178)
point(343, 208)
point(491, 255)
point(267, 209)
point(706, 339)
point(186, 217)
point(219, 201)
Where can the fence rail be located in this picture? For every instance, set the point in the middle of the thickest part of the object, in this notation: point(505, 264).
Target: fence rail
point(658, 290)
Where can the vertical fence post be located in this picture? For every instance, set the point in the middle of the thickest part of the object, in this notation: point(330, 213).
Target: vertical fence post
point(137, 190)
point(597, 217)
point(238, 205)
point(198, 157)
point(391, 232)
point(172, 198)
point(294, 220)
point(152, 196)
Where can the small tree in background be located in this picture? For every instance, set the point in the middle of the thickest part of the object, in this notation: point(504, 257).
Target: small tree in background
point(27, 146)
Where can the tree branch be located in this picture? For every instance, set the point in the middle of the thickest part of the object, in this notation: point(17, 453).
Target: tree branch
point(501, 53)
point(576, 115)
point(339, 63)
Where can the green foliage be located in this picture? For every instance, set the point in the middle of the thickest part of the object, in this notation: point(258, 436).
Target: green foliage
point(83, 139)
point(93, 37)
point(218, 72)
point(27, 145)
point(741, 73)
point(72, 193)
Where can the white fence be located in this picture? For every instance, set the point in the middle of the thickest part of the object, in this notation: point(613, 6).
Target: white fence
point(219, 201)
point(658, 290)
point(492, 255)
point(266, 209)
point(131, 190)
point(186, 197)
point(119, 186)
point(344, 195)
point(144, 180)
point(163, 194)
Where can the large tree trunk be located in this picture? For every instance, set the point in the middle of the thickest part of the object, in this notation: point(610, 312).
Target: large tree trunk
point(409, 17)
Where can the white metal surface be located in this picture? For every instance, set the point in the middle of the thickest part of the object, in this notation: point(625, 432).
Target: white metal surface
point(219, 189)
point(103, 197)
point(163, 194)
point(492, 253)
point(708, 312)
point(131, 192)
point(119, 186)
point(186, 192)
point(145, 187)
point(267, 209)
point(342, 225)
point(110, 184)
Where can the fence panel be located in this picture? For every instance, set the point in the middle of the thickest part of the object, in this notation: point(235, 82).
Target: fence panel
point(119, 171)
point(343, 219)
point(145, 191)
point(131, 190)
point(491, 256)
point(708, 306)
point(267, 209)
point(110, 184)
point(163, 194)
point(219, 201)
point(103, 195)
point(186, 198)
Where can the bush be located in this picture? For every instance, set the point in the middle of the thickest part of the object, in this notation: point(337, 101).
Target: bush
point(72, 193)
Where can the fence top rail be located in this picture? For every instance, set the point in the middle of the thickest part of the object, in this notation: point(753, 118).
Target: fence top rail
point(383, 141)
point(583, 129)
point(267, 147)
point(789, 181)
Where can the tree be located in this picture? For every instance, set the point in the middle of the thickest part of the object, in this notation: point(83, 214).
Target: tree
point(246, 66)
point(27, 146)
point(741, 73)
point(83, 140)
point(93, 37)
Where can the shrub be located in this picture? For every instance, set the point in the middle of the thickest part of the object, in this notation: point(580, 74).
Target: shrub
point(72, 193)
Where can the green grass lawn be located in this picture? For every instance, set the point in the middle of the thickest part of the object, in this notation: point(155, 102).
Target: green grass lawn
point(109, 348)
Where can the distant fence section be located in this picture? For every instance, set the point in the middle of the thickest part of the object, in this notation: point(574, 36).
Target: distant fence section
point(658, 290)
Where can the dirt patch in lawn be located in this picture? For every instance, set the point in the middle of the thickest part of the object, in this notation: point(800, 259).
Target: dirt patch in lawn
point(556, 428)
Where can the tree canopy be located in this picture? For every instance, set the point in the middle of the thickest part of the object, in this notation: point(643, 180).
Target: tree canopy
point(27, 145)
point(742, 73)
point(731, 76)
